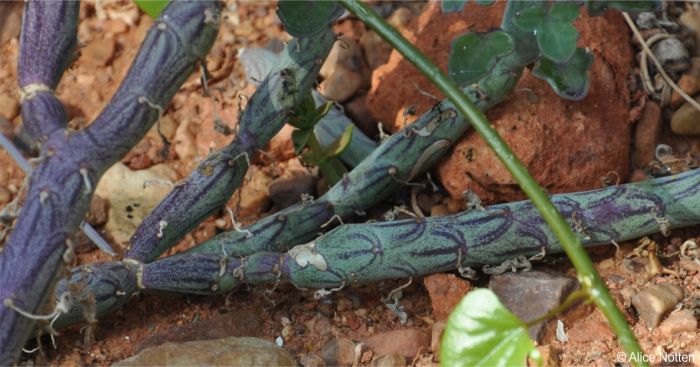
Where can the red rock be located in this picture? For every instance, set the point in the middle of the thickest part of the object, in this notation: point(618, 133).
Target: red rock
point(404, 342)
point(646, 135)
point(567, 145)
point(678, 322)
point(445, 290)
point(592, 328)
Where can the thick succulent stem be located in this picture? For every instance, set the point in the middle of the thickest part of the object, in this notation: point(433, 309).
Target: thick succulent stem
point(365, 253)
point(213, 182)
point(49, 35)
point(71, 163)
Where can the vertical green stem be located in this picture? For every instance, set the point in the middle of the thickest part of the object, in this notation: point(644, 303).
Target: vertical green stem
point(589, 278)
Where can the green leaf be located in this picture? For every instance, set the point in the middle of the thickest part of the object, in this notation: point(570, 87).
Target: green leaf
point(333, 170)
point(303, 18)
point(306, 115)
point(451, 6)
point(556, 35)
point(339, 144)
point(152, 7)
point(568, 79)
point(482, 332)
point(299, 138)
point(597, 7)
point(473, 55)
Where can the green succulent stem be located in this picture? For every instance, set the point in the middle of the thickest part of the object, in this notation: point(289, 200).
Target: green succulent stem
point(589, 278)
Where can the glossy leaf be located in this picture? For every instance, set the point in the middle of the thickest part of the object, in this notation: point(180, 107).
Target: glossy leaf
point(482, 332)
point(152, 7)
point(303, 18)
point(339, 145)
point(299, 138)
point(597, 7)
point(569, 79)
point(332, 170)
point(555, 33)
point(473, 55)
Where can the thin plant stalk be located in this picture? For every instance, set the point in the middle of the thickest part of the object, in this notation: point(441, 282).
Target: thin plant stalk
point(588, 277)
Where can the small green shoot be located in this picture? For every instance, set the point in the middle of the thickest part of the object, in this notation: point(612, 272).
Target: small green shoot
point(482, 332)
point(305, 118)
point(152, 7)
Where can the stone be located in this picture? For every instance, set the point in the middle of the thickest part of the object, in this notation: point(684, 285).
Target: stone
point(404, 342)
point(638, 175)
point(686, 120)
point(129, 201)
point(9, 107)
point(312, 360)
point(376, 51)
point(286, 192)
point(10, 20)
point(5, 196)
point(439, 210)
point(679, 322)
point(590, 328)
point(339, 352)
point(216, 352)
point(98, 213)
point(281, 147)
point(344, 72)
point(445, 291)
point(252, 197)
point(566, 145)
point(646, 135)
point(389, 360)
point(529, 295)
point(216, 327)
point(655, 301)
point(672, 54)
point(436, 337)
point(185, 141)
point(689, 83)
point(100, 51)
point(356, 110)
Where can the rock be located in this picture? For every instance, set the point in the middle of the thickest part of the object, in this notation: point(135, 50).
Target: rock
point(356, 110)
point(529, 295)
point(638, 175)
point(344, 71)
point(5, 196)
point(404, 342)
point(389, 360)
point(376, 51)
point(339, 352)
point(689, 83)
point(98, 213)
point(679, 322)
point(286, 192)
point(252, 197)
point(655, 301)
point(281, 147)
point(592, 327)
point(9, 107)
point(185, 141)
point(439, 210)
point(436, 337)
point(217, 352)
point(129, 201)
point(686, 120)
point(216, 327)
point(445, 290)
point(10, 20)
point(312, 360)
point(100, 51)
point(672, 54)
point(646, 135)
point(566, 145)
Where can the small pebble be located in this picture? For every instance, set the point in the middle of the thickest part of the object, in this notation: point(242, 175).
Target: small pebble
point(339, 352)
point(439, 211)
point(686, 120)
point(679, 322)
point(405, 342)
point(389, 360)
point(655, 301)
point(9, 107)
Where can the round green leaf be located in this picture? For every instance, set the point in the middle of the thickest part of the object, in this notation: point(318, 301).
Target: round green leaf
point(482, 332)
point(473, 55)
point(304, 18)
point(555, 34)
point(451, 6)
point(568, 79)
